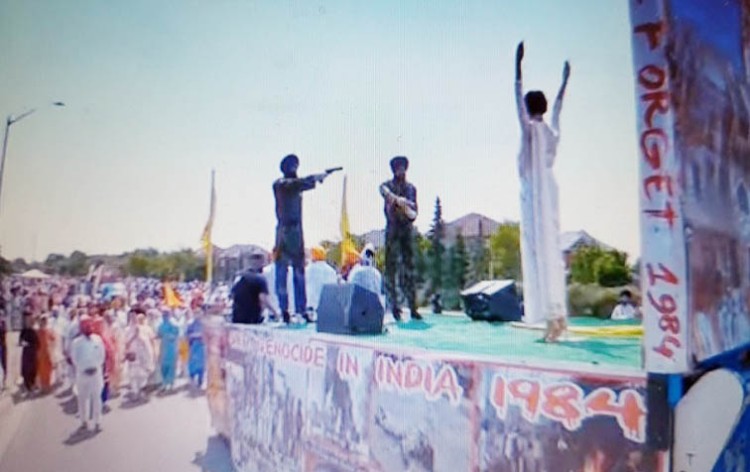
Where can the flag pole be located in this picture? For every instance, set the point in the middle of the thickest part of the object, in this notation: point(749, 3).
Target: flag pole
point(344, 225)
point(207, 239)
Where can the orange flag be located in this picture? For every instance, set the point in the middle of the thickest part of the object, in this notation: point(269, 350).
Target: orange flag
point(170, 296)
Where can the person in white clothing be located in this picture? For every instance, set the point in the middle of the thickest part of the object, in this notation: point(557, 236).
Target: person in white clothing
point(544, 291)
point(140, 353)
point(625, 308)
point(269, 272)
point(88, 358)
point(72, 330)
point(317, 274)
point(365, 275)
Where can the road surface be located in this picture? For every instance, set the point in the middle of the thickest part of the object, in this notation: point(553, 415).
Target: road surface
point(166, 433)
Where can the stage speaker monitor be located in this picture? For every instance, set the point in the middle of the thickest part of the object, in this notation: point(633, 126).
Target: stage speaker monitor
point(349, 309)
point(492, 300)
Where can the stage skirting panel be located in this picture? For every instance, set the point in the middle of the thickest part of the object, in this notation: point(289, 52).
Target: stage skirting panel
point(302, 401)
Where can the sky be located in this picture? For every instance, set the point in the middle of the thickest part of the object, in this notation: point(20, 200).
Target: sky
point(158, 93)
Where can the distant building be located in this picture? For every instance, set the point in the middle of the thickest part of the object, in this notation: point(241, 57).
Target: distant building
point(375, 237)
point(229, 262)
point(572, 241)
point(473, 228)
point(476, 229)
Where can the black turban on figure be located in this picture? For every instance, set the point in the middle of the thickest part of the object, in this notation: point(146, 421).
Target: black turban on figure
point(399, 161)
point(288, 162)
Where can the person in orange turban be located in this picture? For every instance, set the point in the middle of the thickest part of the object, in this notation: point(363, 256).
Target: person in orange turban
point(351, 258)
point(318, 253)
point(317, 274)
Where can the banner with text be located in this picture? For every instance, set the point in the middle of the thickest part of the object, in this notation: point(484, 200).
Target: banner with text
point(692, 66)
point(297, 401)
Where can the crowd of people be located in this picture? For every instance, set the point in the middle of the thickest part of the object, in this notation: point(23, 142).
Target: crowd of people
point(136, 334)
point(100, 342)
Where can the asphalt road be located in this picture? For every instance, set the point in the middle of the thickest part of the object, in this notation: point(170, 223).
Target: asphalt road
point(165, 433)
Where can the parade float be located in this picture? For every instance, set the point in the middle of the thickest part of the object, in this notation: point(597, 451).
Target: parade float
point(451, 394)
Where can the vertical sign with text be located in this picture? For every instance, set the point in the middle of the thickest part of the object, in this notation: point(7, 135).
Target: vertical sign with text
point(663, 251)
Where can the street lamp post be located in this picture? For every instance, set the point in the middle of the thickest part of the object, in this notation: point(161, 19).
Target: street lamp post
point(9, 121)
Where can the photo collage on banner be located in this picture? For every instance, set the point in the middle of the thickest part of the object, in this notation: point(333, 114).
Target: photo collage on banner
point(214, 333)
point(548, 420)
point(315, 404)
point(709, 50)
point(421, 413)
point(267, 399)
point(338, 405)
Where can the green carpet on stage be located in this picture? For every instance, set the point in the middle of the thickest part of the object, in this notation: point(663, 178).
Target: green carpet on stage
point(458, 333)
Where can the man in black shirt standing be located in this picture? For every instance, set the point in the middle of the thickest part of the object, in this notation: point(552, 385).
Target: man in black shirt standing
point(290, 244)
point(250, 294)
point(400, 211)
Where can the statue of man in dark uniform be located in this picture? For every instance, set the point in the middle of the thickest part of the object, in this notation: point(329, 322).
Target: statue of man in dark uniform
point(290, 244)
point(400, 211)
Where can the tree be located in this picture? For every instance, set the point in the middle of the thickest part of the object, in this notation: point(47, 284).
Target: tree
point(78, 264)
point(437, 249)
point(422, 248)
point(148, 253)
point(593, 265)
point(20, 265)
point(138, 266)
point(505, 248)
point(583, 264)
point(458, 266)
point(612, 269)
point(479, 262)
point(459, 262)
point(6, 268)
point(333, 252)
point(178, 265)
point(380, 260)
point(55, 263)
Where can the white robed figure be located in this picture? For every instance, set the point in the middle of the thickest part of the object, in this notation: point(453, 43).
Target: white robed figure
point(317, 274)
point(269, 272)
point(542, 262)
point(366, 275)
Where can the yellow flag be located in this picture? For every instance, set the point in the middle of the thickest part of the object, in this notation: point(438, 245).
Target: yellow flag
point(206, 237)
point(347, 243)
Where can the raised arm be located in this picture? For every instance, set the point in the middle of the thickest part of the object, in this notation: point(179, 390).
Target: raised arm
point(523, 114)
point(559, 100)
point(299, 183)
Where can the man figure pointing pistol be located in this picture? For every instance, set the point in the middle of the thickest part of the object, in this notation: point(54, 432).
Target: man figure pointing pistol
point(290, 244)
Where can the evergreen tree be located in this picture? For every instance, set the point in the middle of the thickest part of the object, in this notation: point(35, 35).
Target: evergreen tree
point(479, 262)
point(437, 249)
point(479, 258)
point(457, 270)
point(459, 262)
point(422, 249)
